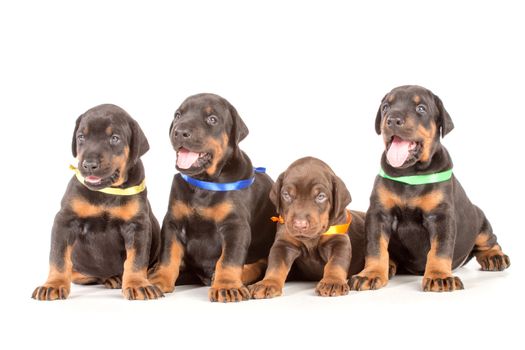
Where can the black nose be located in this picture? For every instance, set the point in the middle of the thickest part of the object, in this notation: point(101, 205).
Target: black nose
point(90, 164)
point(183, 133)
point(395, 120)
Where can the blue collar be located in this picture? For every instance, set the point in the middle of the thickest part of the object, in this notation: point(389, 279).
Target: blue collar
point(228, 186)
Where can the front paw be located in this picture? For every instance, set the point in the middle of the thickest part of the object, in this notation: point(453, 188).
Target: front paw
point(265, 289)
point(368, 280)
point(330, 288)
point(441, 283)
point(141, 290)
point(48, 291)
point(228, 294)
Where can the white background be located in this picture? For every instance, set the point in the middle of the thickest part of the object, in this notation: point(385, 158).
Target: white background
point(307, 78)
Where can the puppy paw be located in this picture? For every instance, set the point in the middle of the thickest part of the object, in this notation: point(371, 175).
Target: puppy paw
point(330, 288)
point(162, 283)
point(441, 283)
point(265, 289)
point(392, 269)
point(114, 282)
point(48, 291)
point(228, 294)
point(493, 261)
point(369, 280)
point(141, 290)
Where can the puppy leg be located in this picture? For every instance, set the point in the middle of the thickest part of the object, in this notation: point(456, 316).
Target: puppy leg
point(167, 271)
point(253, 272)
point(282, 256)
point(376, 271)
point(135, 284)
point(488, 252)
point(438, 271)
point(339, 253)
point(58, 284)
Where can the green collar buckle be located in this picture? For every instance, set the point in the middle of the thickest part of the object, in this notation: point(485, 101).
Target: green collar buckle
point(420, 179)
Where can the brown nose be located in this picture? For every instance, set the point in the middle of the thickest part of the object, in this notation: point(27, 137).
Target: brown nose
point(300, 224)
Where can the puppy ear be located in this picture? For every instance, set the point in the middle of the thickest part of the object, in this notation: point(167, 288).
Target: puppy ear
point(444, 121)
point(275, 193)
point(139, 144)
point(341, 198)
point(74, 141)
point(239, 129)
point(379, 116)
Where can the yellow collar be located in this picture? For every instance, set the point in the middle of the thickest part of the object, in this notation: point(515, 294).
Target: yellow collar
point(113, 190)
point(332, 230)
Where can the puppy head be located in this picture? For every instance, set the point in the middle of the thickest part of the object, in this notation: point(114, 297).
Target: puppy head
point(205, 131)
point(411, 119)
point(107, 142)
point(309, 197)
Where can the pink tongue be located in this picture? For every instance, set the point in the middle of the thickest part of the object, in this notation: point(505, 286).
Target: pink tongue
point(92, 179)
point(185, 158)
point(398, 152)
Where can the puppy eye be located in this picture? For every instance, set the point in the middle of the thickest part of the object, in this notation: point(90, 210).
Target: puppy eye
point(212, 120)
point(286, 196)
point(80, 138)
point(177, 115)
point(321, 197)
point(421, 109)
point(385, 108)
point(115, 139)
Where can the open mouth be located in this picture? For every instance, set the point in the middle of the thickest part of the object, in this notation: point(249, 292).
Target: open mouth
point(97, 182)
point(187, 159)
point(400, 151)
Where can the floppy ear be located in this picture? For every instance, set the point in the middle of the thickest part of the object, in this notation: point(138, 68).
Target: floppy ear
point(239, 129)
point(341, 198)
point(74, 142)
point(444, 121)
point(379, 116)
point(139, 144)
point(275, 193)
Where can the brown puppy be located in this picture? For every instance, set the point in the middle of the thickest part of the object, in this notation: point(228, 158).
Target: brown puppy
point(105, 231)
point(419, 215)
point(313, 234)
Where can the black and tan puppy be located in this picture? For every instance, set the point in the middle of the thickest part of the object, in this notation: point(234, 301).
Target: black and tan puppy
point(317, 233)
point(419, 214)
point(217, 219)
point(105, 231)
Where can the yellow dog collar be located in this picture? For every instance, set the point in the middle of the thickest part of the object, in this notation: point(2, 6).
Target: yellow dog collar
point(113, 190)
point(332, 230)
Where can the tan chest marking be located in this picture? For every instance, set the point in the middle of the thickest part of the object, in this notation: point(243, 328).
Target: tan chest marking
point(125, 212)
point(216, 213)
point(427, 202)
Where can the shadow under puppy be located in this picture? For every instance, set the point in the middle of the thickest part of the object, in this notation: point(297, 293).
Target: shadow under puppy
point(419, 214)
point(318, 238)
point(219, 211)
point(105, 231)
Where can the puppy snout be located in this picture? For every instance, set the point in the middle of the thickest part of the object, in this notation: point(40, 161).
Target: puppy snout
point(182, 133)
point(300, 224)
point(90, 164)
point(394, 120)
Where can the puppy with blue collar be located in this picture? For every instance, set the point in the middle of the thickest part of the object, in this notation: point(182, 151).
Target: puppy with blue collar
point(217, 230)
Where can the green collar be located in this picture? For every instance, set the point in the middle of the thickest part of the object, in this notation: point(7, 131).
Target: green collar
point(420, 179)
